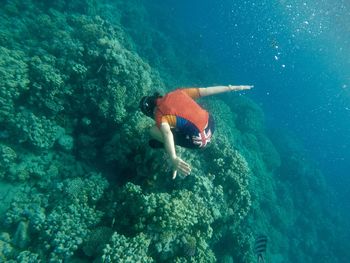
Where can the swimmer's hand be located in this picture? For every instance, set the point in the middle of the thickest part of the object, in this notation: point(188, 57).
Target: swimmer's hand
point(181, 166)
point(240, 87)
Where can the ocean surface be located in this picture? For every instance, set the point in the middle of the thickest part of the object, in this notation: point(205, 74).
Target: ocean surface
point(78, 181)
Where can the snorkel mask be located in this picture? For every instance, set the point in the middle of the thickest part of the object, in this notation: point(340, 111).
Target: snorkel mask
point(148, 103)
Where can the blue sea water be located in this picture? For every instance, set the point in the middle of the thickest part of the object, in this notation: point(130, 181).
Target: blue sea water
point(296, 53)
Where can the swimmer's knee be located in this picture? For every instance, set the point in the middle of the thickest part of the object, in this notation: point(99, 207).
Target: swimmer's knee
point(155, 133)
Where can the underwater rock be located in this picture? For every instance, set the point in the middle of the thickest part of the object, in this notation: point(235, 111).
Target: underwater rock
point(66, 142)
point(21, 238)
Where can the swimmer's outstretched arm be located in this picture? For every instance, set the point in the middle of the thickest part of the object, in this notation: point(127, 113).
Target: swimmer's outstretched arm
point(221, 89)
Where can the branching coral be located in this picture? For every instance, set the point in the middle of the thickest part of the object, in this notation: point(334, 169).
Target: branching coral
point(48, 83)
point(165, 218)
point(65, 229)
point(13, 81)
point(39, 132)
point(96, 241)
point(123, 71)
point(232, 172)
point(126, 250)
point(7, 158)
point(27, 206)
point(116, 78)
point(87, 190)
point(6, 249)
point(28, 257)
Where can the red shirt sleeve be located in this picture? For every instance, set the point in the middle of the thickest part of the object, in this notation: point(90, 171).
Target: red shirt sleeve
point(192, 92)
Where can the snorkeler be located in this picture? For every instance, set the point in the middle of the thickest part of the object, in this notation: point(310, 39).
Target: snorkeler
point(181, 121)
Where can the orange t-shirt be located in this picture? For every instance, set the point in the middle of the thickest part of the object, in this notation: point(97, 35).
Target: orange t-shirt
point(191, 92)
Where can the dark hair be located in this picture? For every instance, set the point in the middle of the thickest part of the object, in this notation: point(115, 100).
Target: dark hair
point(148, 103)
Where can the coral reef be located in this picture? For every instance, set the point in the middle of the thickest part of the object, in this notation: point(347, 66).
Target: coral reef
point(6, 249)
point(14, 80)
point(38, 132)
point(123, 249)
point(96, 241)
point(183, 213)
point(66, 228)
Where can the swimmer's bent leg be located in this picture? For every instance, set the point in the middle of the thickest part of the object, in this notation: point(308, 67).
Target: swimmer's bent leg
point(180, 139)
point(155, 133)
point(157, 141)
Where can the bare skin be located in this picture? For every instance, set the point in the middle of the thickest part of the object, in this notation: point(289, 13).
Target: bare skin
point(164, 134)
